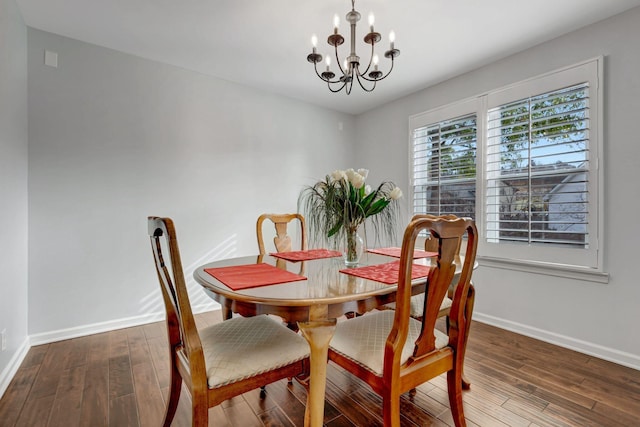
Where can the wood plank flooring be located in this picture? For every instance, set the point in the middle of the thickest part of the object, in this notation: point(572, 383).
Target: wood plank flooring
point(120, 378)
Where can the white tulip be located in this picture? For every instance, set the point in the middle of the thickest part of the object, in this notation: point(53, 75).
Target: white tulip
point(337, 175)
point(350, 173)
point(367, 189)
point(364, 173)
point(396, 193)
point(357, 180)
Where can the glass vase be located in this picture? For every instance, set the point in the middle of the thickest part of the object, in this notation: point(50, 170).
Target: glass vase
point(354, 246)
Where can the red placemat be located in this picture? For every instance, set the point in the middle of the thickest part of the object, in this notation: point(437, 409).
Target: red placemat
point(307, 255)
point(239, 277)
point(386, 273)
point(395, 252)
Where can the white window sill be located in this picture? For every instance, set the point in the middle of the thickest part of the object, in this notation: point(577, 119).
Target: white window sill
point(546, 269)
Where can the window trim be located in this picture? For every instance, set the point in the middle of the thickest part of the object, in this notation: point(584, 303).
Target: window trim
point(587, 262)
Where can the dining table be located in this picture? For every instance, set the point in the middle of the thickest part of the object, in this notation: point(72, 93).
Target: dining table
point(310, 289)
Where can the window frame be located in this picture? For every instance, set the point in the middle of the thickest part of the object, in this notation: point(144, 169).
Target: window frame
point(586, 263)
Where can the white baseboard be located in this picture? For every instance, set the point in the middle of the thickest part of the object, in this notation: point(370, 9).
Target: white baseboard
point(64, 334)
point(96, 328)
point(596, 350)
point(10, 370)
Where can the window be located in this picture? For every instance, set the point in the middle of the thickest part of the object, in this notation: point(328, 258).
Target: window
point(537, 169)
point(444, 167)
point(522, 161)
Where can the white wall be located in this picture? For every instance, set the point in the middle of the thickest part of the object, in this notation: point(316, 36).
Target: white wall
point(114, 138)
point(109, 134)
point(13, 188)
point(600, 319)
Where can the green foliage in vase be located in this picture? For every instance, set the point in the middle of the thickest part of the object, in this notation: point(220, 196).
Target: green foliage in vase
point(342, 202)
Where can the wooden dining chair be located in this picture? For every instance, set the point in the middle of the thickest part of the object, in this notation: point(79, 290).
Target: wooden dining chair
point(417, 301)
point(223, 360)
point(394, 352)
point(282, 240)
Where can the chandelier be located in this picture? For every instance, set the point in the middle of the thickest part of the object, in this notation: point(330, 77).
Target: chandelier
point(349, 68)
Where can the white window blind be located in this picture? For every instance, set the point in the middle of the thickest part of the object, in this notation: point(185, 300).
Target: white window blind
point(538, 169)
point(444, 167)
point(524, 162)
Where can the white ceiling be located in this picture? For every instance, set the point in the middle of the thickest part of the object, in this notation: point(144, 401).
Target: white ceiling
point(265, 43)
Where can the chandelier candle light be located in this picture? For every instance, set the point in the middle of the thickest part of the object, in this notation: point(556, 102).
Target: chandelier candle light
point(350, 67)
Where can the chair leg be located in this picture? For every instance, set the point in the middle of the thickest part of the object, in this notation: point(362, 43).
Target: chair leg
point(454, 387)
point(468, 311)
point(174, 395)
point(294, 327)
point(226, 310)
point(391, 410)
point(200, 412)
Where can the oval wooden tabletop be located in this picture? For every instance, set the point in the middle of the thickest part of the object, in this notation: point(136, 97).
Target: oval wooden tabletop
point(324, 284)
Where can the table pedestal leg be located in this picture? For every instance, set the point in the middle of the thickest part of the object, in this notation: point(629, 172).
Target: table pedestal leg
point(318, 333)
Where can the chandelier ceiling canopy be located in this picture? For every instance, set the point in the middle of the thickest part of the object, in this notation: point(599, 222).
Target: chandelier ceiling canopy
point(349, 69)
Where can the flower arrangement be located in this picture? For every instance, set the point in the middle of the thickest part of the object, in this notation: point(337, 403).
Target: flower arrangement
point(339, 204)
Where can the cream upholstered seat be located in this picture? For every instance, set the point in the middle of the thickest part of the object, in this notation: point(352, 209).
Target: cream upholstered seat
point(417, 305)
point(223, 360)
point(243, 348)
point(363, 338)
point(394, 352)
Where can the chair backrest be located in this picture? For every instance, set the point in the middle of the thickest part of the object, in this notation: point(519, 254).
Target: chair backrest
point(181, 324)
point(448, 233)
point(282, 240)
point(431, 243)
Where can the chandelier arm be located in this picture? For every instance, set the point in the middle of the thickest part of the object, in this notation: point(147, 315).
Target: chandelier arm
point(336, 90)
point(381, 78)
point(315, 66)
point(370, 61)
point(362, 86)
point(389, 72)
point(349, 87)
point(349, 82)
point(326, 80)
point(338, 61)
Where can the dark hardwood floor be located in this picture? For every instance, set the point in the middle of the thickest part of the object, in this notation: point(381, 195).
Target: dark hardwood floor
point(120, 378)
